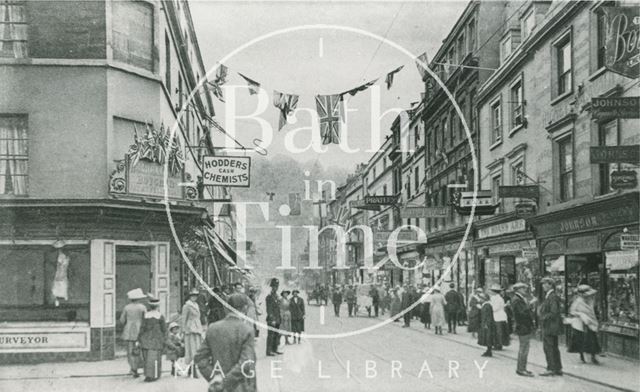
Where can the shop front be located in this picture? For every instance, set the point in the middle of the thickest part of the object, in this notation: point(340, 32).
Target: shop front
point(506, 252)
point(586, 245)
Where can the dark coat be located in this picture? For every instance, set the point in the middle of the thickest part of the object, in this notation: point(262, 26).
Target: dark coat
point(474, 315)
point(296, 307)
point(375, 295)
point(487, 330)
point(350, 296)
point(407, 299)
point(522, 315)
point(337, 297)
point(453, 301)
point(273, 309)
point(550, 315)
point(153, 332)
point(216, 310)
point(230, 343)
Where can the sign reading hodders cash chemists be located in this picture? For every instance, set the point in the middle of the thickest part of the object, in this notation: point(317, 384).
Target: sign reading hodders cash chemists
point(226, 171)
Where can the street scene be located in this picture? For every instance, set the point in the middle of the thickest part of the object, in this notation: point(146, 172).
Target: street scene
point(290, 196)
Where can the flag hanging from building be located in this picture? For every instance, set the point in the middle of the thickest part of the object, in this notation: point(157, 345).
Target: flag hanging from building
point(221, 79)
point(251, 84)
point(330, 115)
point(422, 62)
point(389, 79)
point(295, 207)
point(287, 103)
point(363, 87)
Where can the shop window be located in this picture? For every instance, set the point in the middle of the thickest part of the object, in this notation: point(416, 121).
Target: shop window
point(491, 271)
point(496, 121)
point(14, 155)
point(623, 300)
point(13, 29)
point(133, 33)
point(565, 152)
point(40, 283)
point(507, 271)
point(608, 135)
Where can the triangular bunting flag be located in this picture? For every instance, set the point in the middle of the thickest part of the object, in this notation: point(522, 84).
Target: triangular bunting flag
point(356, 90)
point(389, 79)
point(287, 103)
point(330, 115)
point(422, 62)
point(221, 78)
point(252, 84)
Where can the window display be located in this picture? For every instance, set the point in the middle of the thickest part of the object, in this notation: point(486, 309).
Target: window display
point(622, 288)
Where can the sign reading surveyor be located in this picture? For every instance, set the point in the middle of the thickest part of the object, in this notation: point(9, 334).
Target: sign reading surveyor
point(226, 171)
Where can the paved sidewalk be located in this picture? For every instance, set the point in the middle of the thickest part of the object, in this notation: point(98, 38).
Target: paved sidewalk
point(615, 372)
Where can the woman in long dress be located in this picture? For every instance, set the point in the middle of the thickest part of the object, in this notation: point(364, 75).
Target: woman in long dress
point(285, 314)
point(475, 303)
point(192, 329)
point(396, 303)
point(437, 310)
point(425, 316)
point(584, 324)
point(487, 332)
point(152, 339)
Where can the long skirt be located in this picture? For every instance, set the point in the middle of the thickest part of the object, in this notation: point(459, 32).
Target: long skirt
point(297, 326)
point(152, 363)
point(285, 324)
point(583, 342)
point(437, 316)
point(501, 331)
point(474, 320)
point(192, 343)
point(425, 317)
point(133, 356)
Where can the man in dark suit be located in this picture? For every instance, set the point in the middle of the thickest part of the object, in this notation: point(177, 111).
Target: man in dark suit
point(551, 322)
point(523, 317)
point(273, 318)
point(296, 306)
point(337, 300)
point(406, 302)
point(375, 299)
point(227, 356)
point(352, 299)
point(452, 307)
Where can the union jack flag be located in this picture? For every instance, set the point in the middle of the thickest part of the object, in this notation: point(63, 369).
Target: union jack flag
point(330, 114)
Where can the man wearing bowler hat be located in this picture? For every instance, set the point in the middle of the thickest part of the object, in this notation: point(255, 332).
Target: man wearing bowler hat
point(524, 326)
point(273, 318)
point(551, 322)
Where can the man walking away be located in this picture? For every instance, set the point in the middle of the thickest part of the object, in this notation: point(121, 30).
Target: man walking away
point(551, 322)
point(375, 299)
point(452, 307)
point(273, 318)
point(227, 356)
point(524, 326)
point(337, 300)
point(406, 303)
point(351, 300)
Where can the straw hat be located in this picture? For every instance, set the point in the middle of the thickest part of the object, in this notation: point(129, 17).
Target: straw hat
point(495, 287)
point(586, 290)
point(194, 291)
point(520, 285)
point(136, 294)
point(153, 301)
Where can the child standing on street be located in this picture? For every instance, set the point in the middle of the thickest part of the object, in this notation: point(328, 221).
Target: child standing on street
point(175, 346)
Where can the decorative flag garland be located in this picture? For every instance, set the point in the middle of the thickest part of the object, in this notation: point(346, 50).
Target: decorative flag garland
point(252, 84)
point(422, 59)
point(389, 79)
point(287, 103)
point(221, 78)
point(330, 114)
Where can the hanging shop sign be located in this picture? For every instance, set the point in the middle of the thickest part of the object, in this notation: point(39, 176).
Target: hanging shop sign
point(226, 171)
point(519, 191)
point(424, 212)
point(463, 203)
point(362, 205)
point(615, 107)
point(622, 50)
point(513, 226)
point(380, 200)
point(615, 154)
point(525, 210)
point(624, 179)
point(629, 241)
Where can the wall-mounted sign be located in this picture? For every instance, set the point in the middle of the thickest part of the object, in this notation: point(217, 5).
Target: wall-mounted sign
point(530, 253)
point(519, 191)
point(615, 154)
point(624, 179)
point(424, 212)
point(361, 204)
point(483, 198)
point(43, 339)
point(629, 241)
point(613, 216)
point(380, 200)
point(463, 202)
point(147, 178)
point(622, 54)
point(513, 226)
point(525, 210)
point(615, 107)
point(226, 171)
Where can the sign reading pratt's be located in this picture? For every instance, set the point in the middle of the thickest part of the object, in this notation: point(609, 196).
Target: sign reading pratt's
point(519, 191)
point(380, 200)
point(615, 107)
point(615, 154)
point(622, 54)
point(424, 212)
point(226, 171)
point(513, 226)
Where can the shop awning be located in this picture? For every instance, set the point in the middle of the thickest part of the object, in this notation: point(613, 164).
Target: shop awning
point(557, 265)
point(622, 259)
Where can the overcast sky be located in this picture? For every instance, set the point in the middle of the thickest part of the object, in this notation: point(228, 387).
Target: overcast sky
point(320, 61)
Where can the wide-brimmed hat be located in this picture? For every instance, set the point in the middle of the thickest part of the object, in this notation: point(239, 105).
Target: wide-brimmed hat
point(283, 292)
point(548, 280)
point(153, 300)
point(296, 291)
point(136, 294)
point(173, 325)
point(194, 291)
point(495, 287)
point(520, 285)
point(586, 290)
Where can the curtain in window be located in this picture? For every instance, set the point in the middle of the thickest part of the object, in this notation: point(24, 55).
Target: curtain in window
point(13, 155)
point(13, 30)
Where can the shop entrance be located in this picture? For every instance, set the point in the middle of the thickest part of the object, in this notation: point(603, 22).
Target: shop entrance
point(133, 270)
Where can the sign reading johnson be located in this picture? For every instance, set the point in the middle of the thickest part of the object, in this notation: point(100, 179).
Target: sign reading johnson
point(226, 171)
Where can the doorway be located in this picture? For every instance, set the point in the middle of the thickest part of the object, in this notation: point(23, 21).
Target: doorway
point(133, 270)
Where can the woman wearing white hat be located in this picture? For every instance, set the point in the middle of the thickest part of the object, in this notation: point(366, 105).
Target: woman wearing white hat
point(192, 329)
point(584, 324)
point(437, 310)
point(131, 318)
point(499, 317)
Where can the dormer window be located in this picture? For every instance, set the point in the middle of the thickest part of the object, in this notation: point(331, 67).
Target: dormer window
point(509, 43)
point(527, 23)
